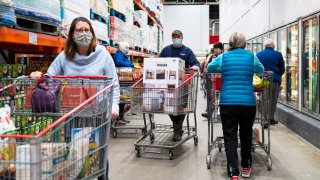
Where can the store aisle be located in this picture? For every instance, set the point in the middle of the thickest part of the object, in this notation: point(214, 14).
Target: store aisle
point(293, 158)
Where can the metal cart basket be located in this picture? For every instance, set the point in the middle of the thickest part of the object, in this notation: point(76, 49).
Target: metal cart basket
point(66, 138)
point(263, 108)
point(173, 101)
point(142, 122)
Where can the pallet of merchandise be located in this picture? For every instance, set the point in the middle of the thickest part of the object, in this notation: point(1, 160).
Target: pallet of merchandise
point(117, 14)
point(97, 17)
point(33, 24)
point(7, 16)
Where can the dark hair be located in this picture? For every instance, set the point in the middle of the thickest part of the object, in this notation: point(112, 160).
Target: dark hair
point(70, 48)
point(218, 45)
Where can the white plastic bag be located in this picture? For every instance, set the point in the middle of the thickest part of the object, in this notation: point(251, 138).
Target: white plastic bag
point(6, 123)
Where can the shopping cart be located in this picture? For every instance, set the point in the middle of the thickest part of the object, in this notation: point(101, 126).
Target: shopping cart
point(263, 99)
point(173, 101)
point(70, 142)
point(137, 121)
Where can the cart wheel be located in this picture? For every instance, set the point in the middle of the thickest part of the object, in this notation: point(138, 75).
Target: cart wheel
point(195, 139)
point(138, 152)
point(220, 147)
point(171, 155)
point(269, 163)
point(152, 137)
point(143, 131)
point(115, 134)
point(208, 161)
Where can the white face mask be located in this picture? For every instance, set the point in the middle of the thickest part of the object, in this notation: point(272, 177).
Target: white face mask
point(84, 39)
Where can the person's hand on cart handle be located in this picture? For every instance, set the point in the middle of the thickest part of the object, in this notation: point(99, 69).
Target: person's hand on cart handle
point(37, 75)
point(195, 68)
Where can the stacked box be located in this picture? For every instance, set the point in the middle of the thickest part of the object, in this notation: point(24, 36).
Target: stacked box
point(42, 9)
point(100, 7)
point(7, 15)
point(71, 9)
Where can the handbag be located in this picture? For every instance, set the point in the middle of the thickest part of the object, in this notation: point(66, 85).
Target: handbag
point(43, 97)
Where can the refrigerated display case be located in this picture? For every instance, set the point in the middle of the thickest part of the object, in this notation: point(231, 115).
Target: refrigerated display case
point(310, 71)
point(264, 38)
point(249, 45)
point(259, 44)
point(273, 36)
point(254, 46)
point(292, 65)
point(282, 47)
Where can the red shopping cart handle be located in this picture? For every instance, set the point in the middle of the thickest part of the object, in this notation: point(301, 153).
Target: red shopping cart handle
point(80, 77)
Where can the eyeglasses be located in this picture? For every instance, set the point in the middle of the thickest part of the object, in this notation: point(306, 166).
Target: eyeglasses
point(78, 31)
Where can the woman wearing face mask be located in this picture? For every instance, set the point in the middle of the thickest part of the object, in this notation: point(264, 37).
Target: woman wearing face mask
point(121, 56)
point(83, 57)
point(121, 60)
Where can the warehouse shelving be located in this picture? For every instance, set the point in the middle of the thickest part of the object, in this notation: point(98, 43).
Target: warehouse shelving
point(142, 7)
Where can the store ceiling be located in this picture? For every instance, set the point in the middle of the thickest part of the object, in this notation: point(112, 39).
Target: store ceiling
point(213, 10)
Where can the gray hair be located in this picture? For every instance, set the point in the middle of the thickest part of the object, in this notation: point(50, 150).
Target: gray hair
point(122, 46)
point(269, 43)
point(237, 40)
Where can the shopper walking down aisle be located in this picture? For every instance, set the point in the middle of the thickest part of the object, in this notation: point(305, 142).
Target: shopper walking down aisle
point(177, 49)
point(272, 61)
point(83, 57)
point(121, 60)
point(217, 50)
point(237, 102)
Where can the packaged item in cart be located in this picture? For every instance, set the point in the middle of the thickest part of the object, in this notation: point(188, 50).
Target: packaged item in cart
point(153, 100)
point(172, 103)
point(7, 153)
point(125, 74)
point(125, 94)
point(73, 96)
point(85, 147)
point(6, 123)
point(169, 71)
point(255, 135)
point(53, 157)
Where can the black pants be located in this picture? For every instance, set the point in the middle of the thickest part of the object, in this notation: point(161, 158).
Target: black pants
point(177, 122)
point(231, 116)
point(121, 110)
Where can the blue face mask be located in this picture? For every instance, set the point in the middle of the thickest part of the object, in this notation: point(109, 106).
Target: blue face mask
point(177, 42)
point(126, 51)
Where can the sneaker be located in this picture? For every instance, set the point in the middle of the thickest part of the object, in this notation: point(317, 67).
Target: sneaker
point(273, 122)
point(121, 122)
point(204, 115)
point(246, 172)
point(126, 121)
point(234, 178)
point(177, 136)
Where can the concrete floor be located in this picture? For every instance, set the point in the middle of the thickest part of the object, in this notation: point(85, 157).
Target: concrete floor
point(292, 157)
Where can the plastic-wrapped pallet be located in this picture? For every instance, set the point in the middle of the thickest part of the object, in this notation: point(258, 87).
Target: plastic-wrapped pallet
point(100, 7)
point(42, 9)
point(120, 5)
point(71, 9)
point(141, 17)
point(7, 16)
point(101, 30)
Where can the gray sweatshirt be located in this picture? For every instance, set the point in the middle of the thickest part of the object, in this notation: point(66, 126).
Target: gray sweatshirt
point(98, 63)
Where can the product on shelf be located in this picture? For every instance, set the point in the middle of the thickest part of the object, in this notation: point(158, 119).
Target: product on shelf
point(7, 16)
point(5, 70)
point(42, 9)
point(100, 30)
point(18, 70)
point(100, 7)
point(125, 74)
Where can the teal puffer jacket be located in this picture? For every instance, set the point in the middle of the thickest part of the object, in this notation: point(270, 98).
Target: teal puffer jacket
point(237, 68)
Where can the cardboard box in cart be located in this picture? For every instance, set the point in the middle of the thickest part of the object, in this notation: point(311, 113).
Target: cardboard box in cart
point(162, 73)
